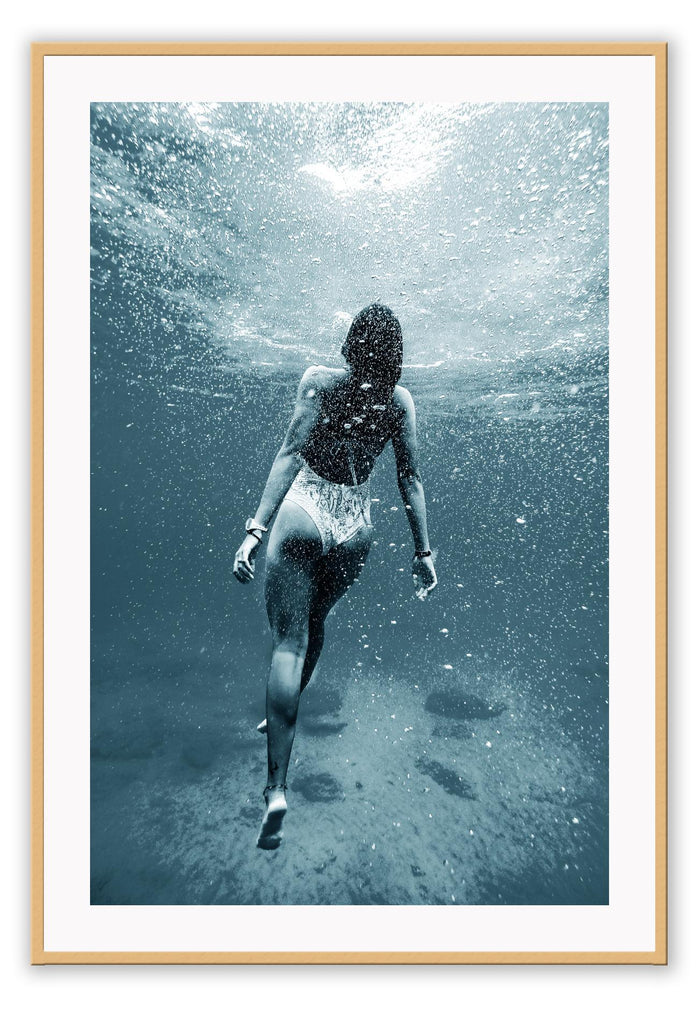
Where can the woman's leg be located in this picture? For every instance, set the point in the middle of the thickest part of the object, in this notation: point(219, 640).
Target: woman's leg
point(316, 637)
point(334, 574)
point(294, 551)
point(301, 587)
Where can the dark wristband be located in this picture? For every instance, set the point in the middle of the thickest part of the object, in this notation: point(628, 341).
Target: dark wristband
point(422, 554)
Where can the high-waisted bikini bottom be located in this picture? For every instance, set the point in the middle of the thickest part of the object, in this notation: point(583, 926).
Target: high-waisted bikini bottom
point(338, 510)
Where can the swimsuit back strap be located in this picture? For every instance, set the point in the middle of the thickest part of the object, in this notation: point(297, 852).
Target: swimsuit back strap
point(350, 457)
point(351, 463)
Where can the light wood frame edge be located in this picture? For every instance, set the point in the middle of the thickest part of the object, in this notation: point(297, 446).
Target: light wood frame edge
point(43, 49)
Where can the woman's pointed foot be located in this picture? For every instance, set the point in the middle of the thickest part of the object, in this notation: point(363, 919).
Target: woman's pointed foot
point(262, 727)
point(271, 834)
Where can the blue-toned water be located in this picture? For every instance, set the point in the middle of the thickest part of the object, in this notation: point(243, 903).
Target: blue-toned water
point(451, 751)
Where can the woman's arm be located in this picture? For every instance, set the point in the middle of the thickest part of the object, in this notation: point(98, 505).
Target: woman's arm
point(412, 492)
point(284, 468)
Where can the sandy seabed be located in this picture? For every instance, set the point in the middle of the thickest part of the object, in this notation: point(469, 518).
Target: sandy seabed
point(466, 794)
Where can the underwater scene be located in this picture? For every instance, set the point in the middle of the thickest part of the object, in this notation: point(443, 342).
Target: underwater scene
point(451, 751)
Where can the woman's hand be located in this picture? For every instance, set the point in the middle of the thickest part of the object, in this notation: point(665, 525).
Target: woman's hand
point(424, 576)
point(243, 566)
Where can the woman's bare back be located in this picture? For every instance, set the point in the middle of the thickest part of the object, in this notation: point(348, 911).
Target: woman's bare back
point(355, 420)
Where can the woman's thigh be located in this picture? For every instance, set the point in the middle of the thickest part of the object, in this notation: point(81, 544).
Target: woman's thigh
point(337, 570)
point(293, 554)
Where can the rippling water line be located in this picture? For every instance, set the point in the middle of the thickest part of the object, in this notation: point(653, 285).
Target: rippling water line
point(263, 228)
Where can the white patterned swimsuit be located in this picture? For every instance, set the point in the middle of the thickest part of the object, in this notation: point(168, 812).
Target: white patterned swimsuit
point(338, 510)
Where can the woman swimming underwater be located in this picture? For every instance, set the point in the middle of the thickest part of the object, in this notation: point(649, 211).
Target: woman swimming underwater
point(319, 483)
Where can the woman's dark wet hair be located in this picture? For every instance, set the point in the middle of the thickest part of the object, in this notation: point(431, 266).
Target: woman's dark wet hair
point(373, 347)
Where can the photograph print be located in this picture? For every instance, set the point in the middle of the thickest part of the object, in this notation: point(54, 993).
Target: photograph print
point(349, 503)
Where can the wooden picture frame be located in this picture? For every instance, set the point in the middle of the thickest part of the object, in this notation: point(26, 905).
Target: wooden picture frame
point(57, 702)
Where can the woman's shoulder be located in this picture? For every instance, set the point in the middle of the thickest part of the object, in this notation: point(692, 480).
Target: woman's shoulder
point(320, 378)
point(402, 399)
